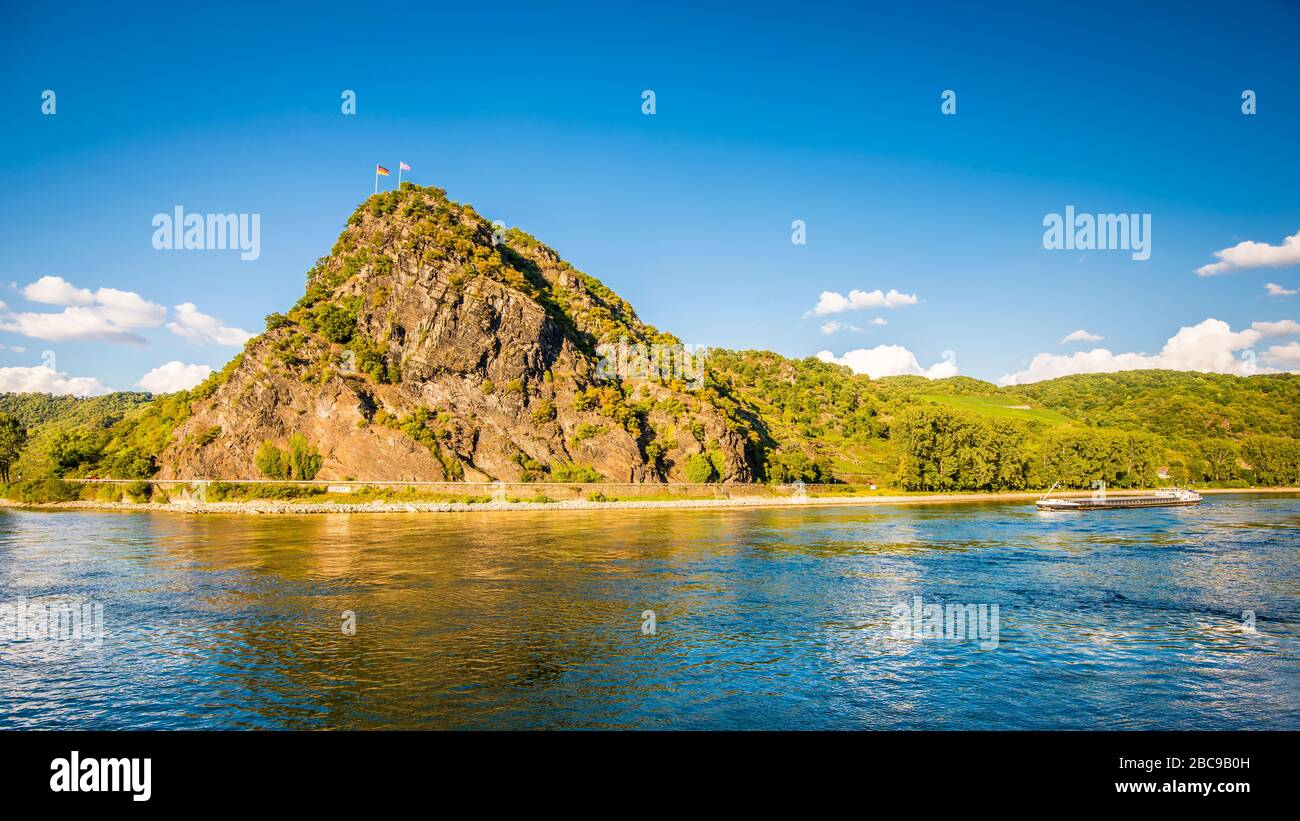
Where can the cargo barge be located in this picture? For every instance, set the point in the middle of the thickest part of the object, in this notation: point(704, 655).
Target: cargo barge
point(1174, 497)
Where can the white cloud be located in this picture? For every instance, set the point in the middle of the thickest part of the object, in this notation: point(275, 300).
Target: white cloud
point(889, 360)
point(57, 291)
point(110, 316)
point(1285, 356)
point(1210, 346)
point(173, 376)
point(1252, 254)
point(200, 328)
point(72, 323)
point(1283, 327)
point(128, 309)
point(43, 379)
point(835, 326)
point(831, 302)
point(1277, 290)
point(1081, 336)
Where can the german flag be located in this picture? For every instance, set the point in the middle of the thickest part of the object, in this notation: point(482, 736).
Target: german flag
point(380, 170)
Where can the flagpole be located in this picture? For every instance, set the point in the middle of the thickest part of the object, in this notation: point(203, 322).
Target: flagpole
point(399, 175)
point(376, 178)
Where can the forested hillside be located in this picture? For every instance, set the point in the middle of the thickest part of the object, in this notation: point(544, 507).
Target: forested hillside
point(118, 435)
point(1130, 429)
point(1181, 405)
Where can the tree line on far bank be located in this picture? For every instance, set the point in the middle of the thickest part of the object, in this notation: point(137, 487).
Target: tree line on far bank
point(943, 450)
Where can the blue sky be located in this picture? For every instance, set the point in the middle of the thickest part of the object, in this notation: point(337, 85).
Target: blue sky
point(765, 114)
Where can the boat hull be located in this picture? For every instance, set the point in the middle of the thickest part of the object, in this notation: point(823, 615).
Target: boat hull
point(1069, 505)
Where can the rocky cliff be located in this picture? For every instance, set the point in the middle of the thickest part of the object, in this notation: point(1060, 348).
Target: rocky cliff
point(432, 345)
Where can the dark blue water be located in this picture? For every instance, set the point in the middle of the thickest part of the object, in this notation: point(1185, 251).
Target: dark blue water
point(765, 618)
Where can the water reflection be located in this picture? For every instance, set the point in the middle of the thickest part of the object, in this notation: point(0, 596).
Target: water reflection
point(766, 618)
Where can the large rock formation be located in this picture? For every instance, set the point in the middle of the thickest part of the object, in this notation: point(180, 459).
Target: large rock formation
point(429, 347)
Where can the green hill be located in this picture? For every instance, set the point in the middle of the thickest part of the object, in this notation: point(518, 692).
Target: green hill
point(64, 431)
point(1136, 428)
point(1180, 405)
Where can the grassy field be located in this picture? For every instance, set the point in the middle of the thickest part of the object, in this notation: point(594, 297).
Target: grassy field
point(1001, 407)
point(874, 461)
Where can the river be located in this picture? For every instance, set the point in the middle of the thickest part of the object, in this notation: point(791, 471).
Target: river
point(779, 618)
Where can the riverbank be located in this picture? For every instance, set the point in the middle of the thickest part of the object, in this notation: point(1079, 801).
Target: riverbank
point(263, 506)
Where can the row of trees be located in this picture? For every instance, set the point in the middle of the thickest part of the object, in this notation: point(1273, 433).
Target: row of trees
point(941, 450)
point(1273, 460)
point(945, 450)
point(796, 466)
point(1255, 460)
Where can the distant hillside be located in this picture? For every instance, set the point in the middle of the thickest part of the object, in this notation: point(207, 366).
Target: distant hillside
point(59, 427)
point(34, 409)
point(429, 345)
point(1180, 405)
point(1136, 428)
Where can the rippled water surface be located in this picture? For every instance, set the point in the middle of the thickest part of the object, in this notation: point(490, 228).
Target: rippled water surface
point(766, 618)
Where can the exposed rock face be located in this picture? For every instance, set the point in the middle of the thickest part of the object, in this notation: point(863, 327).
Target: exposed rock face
point(426, 348)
